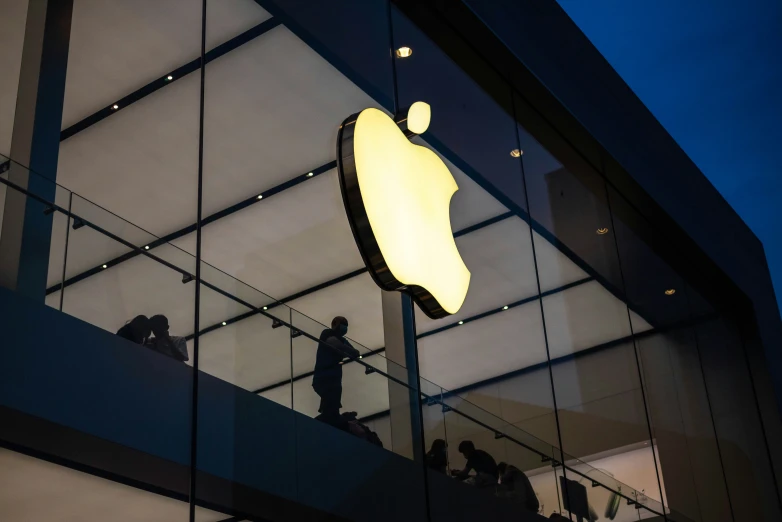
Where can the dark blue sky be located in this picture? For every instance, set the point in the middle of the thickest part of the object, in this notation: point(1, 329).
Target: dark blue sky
point(711, 72)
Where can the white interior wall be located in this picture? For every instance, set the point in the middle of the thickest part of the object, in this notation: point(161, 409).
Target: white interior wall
point(629, 467)
point(32, 490)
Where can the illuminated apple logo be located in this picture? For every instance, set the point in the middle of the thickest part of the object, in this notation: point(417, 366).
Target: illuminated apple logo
point(397, 196)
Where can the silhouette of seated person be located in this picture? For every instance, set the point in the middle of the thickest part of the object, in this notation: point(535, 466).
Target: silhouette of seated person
point(136, 330)
point(169, 345)
point(333, 348)
point(484, 465)
point(436, 457)
point(515, 485)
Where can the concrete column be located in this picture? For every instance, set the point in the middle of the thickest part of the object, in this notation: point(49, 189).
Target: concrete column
point(35, 143)
point(402, 354)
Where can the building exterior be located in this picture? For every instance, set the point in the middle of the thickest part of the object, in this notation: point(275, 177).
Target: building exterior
point(619, 342)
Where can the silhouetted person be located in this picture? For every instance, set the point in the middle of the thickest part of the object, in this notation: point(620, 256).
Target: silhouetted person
point(482, 463)
point(172, 346)
point(436, 458)
point(333, 348)
point(515, 485)
point(136, 330)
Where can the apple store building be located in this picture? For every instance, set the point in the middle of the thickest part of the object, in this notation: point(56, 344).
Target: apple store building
point(282, 260)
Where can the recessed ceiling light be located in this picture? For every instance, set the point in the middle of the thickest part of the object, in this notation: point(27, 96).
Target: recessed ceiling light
point(602, 231)
point(404, 52)
point(169, 77)
point(115, 106)
point(146, 247)
point(105, 266)
point(360, 356)
point(670, 291)
point(505, 307)
point(260, 196)
point(224, 323)
point(461, 322)
point(516, 153)
point(310, 174)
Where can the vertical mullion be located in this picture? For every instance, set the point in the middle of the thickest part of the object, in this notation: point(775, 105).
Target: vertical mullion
point(638, 364)
point(540, 299)
point(196, 315)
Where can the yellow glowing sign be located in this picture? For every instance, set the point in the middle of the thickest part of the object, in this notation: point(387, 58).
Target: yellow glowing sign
point(406, 191)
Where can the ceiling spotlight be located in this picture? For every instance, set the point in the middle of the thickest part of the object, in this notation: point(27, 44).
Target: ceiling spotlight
point(310, 174)
point(169, 77)
point(516, 153)
point(360, 356)
point(260, 196)
point(146, 247)
point(115, 106)
point(670, 291)
point(265, 307)
point(461, 322)
point(602, 231)
point(404, 52)
point(224, 323)
point(505, 307)
point(105, 266)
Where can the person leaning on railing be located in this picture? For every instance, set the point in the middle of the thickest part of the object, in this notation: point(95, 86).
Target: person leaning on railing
point(333, 348)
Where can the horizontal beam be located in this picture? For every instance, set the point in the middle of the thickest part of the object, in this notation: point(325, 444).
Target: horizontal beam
point(175, 75)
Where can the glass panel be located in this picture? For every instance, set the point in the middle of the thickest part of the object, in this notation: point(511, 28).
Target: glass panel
point(670, 355)
point(111, 278)
point(474, 131)
point(274, 100)
point(131, 111)
point(131, 379)
point(600, 403)
point(739, 432)
point(244, 351)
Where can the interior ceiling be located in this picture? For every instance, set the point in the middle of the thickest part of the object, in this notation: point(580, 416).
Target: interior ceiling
point(32, 490)
point(272, 108)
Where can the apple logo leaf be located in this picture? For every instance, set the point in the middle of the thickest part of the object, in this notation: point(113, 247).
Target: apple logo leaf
point(397, 197)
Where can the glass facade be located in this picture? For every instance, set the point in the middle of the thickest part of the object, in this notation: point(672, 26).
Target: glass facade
point(197, 179)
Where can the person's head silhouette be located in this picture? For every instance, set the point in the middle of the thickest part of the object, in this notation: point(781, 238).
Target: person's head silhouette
point(340, 325)
point(466, 448)
point(159, 325)
point(140, 328)
point(438, 445)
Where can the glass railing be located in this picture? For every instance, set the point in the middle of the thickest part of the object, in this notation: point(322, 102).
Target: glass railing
point(106, 271)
